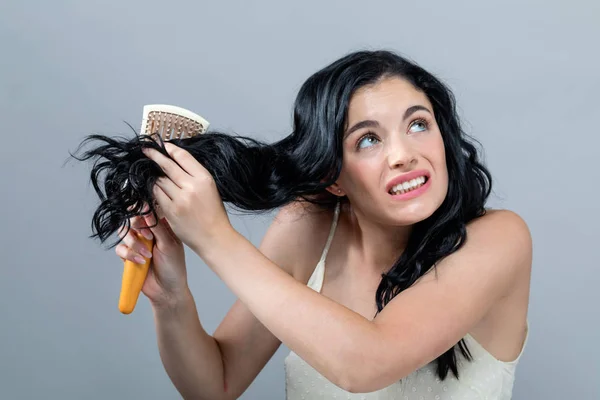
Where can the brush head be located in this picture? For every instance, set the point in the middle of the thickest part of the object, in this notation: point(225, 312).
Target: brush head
point(168, 122)
point(171, 122)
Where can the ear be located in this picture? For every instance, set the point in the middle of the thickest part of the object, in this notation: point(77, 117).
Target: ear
point(336, 190)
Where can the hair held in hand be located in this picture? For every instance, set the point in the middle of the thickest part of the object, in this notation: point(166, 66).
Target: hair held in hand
point(249, 174)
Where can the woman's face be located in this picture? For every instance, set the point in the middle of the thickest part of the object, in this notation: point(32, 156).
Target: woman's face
point(394, 166)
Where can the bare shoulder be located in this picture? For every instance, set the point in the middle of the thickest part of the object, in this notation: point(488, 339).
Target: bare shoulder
point(295, 236)
point(502, 215)
point(497, 249)
point(503, 232)
point(503, 224)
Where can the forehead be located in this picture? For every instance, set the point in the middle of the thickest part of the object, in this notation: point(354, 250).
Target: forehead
point(390, 96)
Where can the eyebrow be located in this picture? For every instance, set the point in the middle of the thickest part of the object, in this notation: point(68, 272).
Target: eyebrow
point(374, 124)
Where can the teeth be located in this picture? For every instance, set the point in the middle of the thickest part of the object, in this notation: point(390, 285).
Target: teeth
point(408, 186)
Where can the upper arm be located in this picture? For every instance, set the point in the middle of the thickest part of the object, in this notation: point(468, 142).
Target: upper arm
point(246, 345)
point(427, 319)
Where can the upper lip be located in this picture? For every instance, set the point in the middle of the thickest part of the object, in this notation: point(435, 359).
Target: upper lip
point(407, 177)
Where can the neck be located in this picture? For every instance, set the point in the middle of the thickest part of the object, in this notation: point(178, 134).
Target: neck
point(375, 246)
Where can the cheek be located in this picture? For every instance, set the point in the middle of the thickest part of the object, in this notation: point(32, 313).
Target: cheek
point(440, 167)
point(433, 150)
point(357, 174)
point(436, 151)
point(442, 157)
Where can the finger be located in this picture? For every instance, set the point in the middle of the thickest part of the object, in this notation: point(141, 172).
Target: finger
point(162, 200)
point(133, 243)
point(126, 253)
point(169, 231)
point(186, 161)
point(169, 167)
point(137, 224)
point(167, 185)
point(140, 225)
point(146, 232)
point(161, 231)
point(159, 212)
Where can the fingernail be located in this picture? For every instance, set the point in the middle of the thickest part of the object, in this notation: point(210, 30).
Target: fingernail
point(148, 235)
point(139, 260)
point(146, 253)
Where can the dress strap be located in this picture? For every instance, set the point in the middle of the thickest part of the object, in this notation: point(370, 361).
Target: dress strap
point(316, 279)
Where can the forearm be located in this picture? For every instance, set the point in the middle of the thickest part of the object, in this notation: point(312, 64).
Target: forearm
point(322, 332)
point(191, 357)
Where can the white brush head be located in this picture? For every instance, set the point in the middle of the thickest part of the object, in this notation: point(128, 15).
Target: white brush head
point(171, 122)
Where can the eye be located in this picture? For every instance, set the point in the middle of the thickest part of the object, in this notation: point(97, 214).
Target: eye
point(420, 124)
point(367, 139)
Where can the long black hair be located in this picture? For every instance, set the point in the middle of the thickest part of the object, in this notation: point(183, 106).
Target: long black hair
point(256, 176)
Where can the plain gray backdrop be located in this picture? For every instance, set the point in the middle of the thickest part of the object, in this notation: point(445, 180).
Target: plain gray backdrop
point(526, 77)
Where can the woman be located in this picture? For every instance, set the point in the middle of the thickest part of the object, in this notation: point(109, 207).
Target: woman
point(382, 272)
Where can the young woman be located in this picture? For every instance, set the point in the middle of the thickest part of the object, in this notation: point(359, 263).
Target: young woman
point(383, 271)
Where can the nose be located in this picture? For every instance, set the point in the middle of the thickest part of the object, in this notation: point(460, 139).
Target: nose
point(400, 155)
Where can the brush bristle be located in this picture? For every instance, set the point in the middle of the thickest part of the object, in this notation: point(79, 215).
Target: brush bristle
point(171, 126)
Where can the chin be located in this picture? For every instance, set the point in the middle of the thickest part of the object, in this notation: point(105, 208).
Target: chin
point(413, 214)
point(415, 210)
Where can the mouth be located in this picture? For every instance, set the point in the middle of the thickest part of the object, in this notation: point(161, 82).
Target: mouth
point(409, 186)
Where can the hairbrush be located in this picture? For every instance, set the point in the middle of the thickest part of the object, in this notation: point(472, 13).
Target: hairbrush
point(168, 122)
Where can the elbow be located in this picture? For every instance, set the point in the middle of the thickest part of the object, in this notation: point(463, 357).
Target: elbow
point(355, 379)
point(355, 375)
point(362, 375)
point(351, 386)
point(355, 382)
point(365, 382)
point(370, 367)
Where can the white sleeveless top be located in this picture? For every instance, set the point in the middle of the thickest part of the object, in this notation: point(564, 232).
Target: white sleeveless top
point(484, 377)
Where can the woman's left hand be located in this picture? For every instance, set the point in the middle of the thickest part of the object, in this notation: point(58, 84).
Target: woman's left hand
point(189, 199)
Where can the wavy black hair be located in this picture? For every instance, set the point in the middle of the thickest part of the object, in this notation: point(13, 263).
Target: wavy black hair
point(256, 176)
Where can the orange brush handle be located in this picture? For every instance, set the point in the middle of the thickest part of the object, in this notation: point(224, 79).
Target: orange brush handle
point(134, 275)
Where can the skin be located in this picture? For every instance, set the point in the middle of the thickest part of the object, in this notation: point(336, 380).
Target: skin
point(482, 289)
point(374, 155)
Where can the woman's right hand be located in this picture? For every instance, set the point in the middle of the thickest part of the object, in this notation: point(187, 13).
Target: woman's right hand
point(166, 281)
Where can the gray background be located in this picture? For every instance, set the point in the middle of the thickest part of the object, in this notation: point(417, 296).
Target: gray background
point(526, 75)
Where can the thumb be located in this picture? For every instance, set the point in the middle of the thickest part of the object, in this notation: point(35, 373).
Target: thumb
point(168, 228)
point(161, 230)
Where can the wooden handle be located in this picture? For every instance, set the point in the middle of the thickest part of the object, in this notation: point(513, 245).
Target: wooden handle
point(134, 275)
